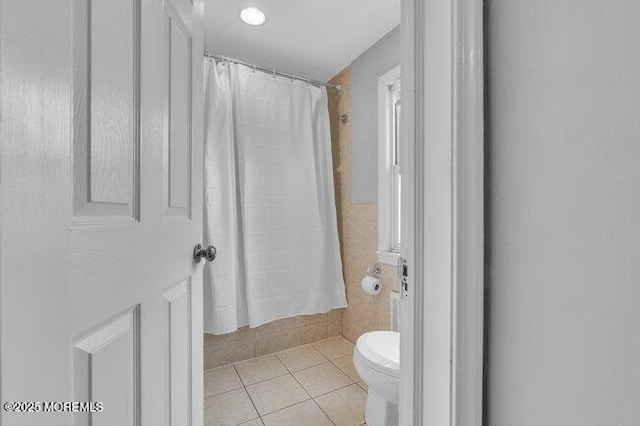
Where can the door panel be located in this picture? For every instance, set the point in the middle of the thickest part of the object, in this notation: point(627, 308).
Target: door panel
point(106, 103)
point(178, 311)
point(106, 369)
point(113, 70)
point(177, 170)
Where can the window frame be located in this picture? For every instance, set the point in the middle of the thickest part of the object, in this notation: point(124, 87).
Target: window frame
point(388, 251)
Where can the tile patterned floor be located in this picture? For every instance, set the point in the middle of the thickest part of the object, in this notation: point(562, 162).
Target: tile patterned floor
point(311, 385)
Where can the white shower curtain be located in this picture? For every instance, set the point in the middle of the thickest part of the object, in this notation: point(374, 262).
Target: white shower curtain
point(269, 201)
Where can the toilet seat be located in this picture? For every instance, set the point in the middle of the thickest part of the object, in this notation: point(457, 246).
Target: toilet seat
point(380, 350)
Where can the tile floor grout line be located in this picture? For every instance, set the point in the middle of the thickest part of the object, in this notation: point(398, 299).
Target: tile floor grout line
point(238, 374)
point(248, 394)
point(301, 385)
point(313, 399)
point(347, 339)
point(273, 353)
point(298, 403)
point(311, 366)
point(280, 361)
point(326, 361)
point(230, 390)
point(262, 421)
point(291, 373)
point(345, 373)
point(244, 387)
point(261, 381)
point(266, 380)
point(288, 406)
point(305, 368)
point(337, 389)
point(296, 379)
point(323, 412)
point(285, 366)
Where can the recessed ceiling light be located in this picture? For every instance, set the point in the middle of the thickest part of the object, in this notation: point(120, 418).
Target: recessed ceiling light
point(252, 16)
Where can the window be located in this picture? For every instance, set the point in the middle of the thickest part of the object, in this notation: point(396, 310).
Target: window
point(389, 167)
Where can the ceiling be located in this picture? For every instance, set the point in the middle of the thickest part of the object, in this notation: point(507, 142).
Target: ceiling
point(311, 38)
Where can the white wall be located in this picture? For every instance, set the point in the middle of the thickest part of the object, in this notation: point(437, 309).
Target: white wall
point(365, 71)
point(564, 212)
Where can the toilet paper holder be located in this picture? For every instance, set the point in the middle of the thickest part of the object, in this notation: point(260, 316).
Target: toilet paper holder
point(375, 271)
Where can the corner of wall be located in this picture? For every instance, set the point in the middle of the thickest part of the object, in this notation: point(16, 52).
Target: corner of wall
point(357, 227)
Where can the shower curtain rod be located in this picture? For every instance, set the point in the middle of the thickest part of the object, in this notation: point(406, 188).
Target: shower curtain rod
point(273, 71)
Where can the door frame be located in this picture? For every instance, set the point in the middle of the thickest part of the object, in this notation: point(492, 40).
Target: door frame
point(443, 85)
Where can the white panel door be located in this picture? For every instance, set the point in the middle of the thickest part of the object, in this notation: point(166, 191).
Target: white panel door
point(101, 206)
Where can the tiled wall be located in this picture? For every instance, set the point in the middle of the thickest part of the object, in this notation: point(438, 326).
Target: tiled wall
point(282, 334)
point(358, 227)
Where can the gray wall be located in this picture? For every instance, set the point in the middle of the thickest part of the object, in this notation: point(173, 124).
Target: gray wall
point(564, 206)
point(365, 70)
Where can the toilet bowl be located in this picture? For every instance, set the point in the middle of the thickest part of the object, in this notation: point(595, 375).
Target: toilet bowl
point(377, 361)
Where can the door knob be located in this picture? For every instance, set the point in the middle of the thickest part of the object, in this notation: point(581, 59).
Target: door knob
point(199, 253)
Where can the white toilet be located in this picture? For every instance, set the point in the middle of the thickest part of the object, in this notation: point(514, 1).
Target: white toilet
point(377, 360)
